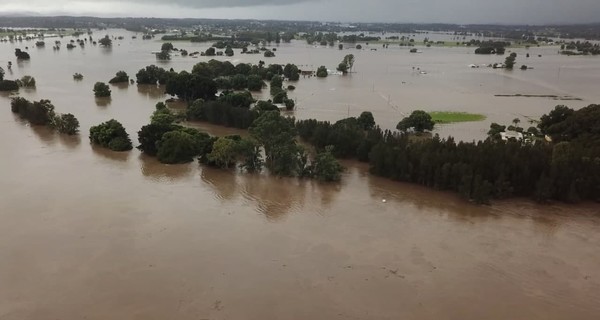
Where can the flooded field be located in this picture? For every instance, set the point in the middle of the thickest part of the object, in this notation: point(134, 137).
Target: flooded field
point(86, 233)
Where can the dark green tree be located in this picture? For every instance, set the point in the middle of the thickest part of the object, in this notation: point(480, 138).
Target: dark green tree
point(210, 52)
point(150, 134)
point(189, 86)
point(167, 46)
point(326, 167)
point(418, 120)
point(181, 146)
point(105, 42)
point(291, 72)
point(111, 134)
point(322, 72)
point(282, 153)
point(229, 51)
point(255, 83)
point(101, 90)
point(366, 120)
point(121, 77)
point(66, 123)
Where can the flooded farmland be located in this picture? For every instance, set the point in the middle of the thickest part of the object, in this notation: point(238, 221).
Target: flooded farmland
point(86, 233)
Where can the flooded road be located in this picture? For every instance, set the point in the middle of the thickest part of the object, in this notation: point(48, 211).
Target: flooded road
point(86, 233)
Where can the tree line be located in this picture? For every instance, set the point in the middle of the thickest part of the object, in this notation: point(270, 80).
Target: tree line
point(566, 170)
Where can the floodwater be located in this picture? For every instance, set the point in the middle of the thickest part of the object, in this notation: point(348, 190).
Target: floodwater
point(86, 233)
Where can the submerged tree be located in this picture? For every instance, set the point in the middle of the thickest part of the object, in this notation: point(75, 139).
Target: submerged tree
point(418, 120)
point(112, 135)
point(120, 77)
point(101, 90)
point(105, 42)
point(66, 123)
point(322, 72)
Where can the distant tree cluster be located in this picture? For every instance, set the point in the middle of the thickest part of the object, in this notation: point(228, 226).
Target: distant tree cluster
point(22, 55)
point(489, 47)
point(322, 72)
point(580, 48)
point(509, 62)
point(347, 64)
point(207, 77)
point(10, 85)
point(105, 42)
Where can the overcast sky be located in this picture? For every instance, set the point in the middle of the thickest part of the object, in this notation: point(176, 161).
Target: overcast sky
point(451, 11)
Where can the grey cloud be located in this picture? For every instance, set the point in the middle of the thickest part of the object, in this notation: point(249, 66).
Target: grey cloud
point(223, 3)
point(446, 11)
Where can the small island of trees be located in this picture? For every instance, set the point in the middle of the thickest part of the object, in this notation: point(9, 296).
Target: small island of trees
point(101, 90)
point(120, 77)
point(112, 135)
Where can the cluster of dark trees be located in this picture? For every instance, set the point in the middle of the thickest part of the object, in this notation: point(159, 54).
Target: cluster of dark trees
point(22, 55)
point(153, 75)
point(222, 113)
point(101, 90)
point(582, 48)
point(330, 38)
point(112, 135)
point(346, 65)
point(173, 143)
point(509, 62)
point(165, 51)
point(278, 93)
point(489, 47)
point(120, 77)
point(207, 77)
point(105, 42)
point(7, 85)
point(567, 169)
point(42, 113)
point(322, 72)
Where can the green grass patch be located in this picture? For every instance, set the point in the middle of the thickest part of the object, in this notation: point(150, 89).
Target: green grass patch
point(451, 117)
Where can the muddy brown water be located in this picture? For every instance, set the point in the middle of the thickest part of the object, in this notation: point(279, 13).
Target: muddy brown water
point(86, 233)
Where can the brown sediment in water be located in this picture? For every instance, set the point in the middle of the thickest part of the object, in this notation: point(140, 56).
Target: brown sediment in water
point(86, 233)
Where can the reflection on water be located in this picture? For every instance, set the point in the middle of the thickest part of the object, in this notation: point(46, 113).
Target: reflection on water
point(222, 181)
point(109, 154)
point(150, 91)
point(106, 50)
point(121, 86)
point(103, 102)
point(164, 173)
point(44, 133)
point(273, 197)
